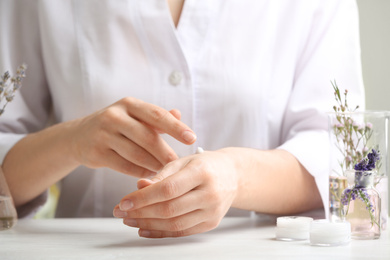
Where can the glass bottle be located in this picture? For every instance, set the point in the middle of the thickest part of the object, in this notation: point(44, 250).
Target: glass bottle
point(8, 215)
point(363, 206)
point(337, 185)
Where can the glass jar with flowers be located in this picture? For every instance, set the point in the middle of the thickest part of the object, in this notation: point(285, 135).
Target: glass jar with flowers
point(359, 165)
point(8, 87)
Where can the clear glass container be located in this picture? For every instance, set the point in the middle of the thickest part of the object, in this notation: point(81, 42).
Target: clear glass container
point(352, 136)
point(363, 206)
point(8, 215)
point(337, 185)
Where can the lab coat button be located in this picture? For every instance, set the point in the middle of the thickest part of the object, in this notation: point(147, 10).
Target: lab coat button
point(175, 78)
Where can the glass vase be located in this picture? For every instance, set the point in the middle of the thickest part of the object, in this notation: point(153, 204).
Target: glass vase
point(8, 215)
point(353, 135)
point(362, 204)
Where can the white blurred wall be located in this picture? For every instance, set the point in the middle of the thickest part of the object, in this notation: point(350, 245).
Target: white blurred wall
point(375, 44)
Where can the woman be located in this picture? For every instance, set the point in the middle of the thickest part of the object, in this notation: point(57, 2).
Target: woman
point(134, 90)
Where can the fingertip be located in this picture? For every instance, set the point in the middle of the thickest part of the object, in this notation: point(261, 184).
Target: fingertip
point(144, 233)
point(189, 137)
point(142, 183)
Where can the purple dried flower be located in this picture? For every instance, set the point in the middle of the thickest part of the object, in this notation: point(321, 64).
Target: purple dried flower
point(353, 194)
point(368, 164)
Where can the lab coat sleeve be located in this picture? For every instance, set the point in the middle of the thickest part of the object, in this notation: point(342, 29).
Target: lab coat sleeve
point(29, 111)
point(330, 52)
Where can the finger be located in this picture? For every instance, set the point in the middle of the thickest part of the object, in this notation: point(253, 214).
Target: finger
point(168, 170)
point(142, 183)
point(176, 224)
point(189, 202)
point(119, 213)
point(160, 119)
point(148, 139)
point(135, 154)
point(171, 187)
point(200, 228)
point(176, 113)
point(119, 164)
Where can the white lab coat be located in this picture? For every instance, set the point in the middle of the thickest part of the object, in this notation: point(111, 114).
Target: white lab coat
point(248, 73)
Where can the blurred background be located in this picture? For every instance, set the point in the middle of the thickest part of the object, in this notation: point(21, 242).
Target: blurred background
point(375, 45)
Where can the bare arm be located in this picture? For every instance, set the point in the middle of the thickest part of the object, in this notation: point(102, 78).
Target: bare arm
point(192, 194)
point(275, 183)
point(124, 137)
point(38, 161)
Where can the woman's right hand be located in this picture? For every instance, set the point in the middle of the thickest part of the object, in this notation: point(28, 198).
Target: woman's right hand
point(125, 137)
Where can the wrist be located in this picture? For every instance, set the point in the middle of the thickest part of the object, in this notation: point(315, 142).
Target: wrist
point(63, 139)
point(236, 162)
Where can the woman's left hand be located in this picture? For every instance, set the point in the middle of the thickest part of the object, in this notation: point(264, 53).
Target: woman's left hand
point(189, 196)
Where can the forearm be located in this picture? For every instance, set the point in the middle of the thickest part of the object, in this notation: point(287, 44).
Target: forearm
point(38, 161)
point(273, 182)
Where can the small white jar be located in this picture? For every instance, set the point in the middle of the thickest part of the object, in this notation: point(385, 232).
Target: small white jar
point(293, 228)
point(326, 233)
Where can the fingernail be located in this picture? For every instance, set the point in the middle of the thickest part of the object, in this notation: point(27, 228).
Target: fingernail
point(130, 222)
point(119, 213)
point(144, 233)
point(126, 205)
point(189, 136)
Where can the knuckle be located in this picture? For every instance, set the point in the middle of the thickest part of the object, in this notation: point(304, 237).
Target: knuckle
point(214, 197)
point(159, 114)
point(215, 211)
point(180, 233)
point(168, 210)
point(159, 177)
point(128, 100)
point(175, 225)
point(168, 189)
point(109, 115)
point(212, 224)
point(170, 157)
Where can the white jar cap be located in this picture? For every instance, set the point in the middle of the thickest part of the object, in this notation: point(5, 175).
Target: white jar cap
point(326, 233)
point(293, 228)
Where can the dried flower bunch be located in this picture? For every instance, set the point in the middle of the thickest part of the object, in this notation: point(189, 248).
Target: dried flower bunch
point(351, 140)
point(351, 136)
point(10, 84)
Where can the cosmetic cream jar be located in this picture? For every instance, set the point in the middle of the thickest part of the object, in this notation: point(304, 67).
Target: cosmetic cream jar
point(293, 228)
point(326, 233)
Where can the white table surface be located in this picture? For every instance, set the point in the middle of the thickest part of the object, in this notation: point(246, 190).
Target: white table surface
point(235, 238)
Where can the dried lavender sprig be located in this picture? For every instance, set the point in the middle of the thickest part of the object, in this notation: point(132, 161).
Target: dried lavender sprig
point(9, 85)
point(359, 193)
